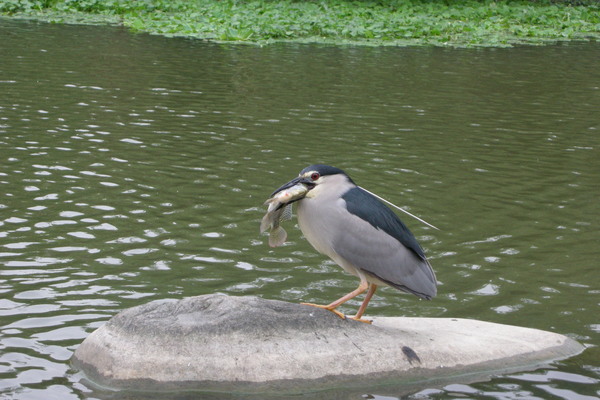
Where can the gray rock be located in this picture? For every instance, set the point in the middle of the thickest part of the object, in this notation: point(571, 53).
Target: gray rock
point(252, 345)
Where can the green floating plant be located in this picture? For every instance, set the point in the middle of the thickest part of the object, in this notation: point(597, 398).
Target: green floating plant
point(392, 22)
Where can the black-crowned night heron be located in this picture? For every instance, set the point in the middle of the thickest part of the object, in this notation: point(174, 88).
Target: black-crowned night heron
point(359, 232)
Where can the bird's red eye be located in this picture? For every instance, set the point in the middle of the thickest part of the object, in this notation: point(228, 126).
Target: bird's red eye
point(314, 176)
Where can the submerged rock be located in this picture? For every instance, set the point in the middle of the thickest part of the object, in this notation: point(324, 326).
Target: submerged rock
point(249, 344)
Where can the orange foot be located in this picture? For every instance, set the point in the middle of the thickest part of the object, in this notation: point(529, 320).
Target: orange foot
point(366, 321)
point(332, 309)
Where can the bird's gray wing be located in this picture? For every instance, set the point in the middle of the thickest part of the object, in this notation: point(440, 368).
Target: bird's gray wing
point(373, 239)
point(380, 216)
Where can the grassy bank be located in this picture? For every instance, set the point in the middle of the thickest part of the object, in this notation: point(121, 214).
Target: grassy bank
point(394, 22)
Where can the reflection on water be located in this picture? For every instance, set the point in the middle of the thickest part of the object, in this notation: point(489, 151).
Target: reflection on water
point(134, 168)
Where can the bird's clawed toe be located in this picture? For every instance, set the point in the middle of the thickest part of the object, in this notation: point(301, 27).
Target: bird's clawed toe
point(366, 321)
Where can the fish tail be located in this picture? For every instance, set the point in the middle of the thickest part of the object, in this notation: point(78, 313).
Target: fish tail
point(277, 237)
point(265, 223)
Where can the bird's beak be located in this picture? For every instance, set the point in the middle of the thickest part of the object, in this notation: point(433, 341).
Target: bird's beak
point(300, 180)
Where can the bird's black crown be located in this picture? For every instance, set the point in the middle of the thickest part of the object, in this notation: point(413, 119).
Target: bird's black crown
point(323, 170)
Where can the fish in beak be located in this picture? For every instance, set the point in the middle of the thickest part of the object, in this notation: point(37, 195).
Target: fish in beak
point(280, 208)
point(292, 191)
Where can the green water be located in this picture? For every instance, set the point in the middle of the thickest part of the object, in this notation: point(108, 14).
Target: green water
point(134, 168)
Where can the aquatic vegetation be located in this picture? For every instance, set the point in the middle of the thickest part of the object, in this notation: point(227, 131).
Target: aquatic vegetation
point(393, 22)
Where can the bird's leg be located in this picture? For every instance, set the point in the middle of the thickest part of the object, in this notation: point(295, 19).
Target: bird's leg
point(332, 306)
point(363, 306)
